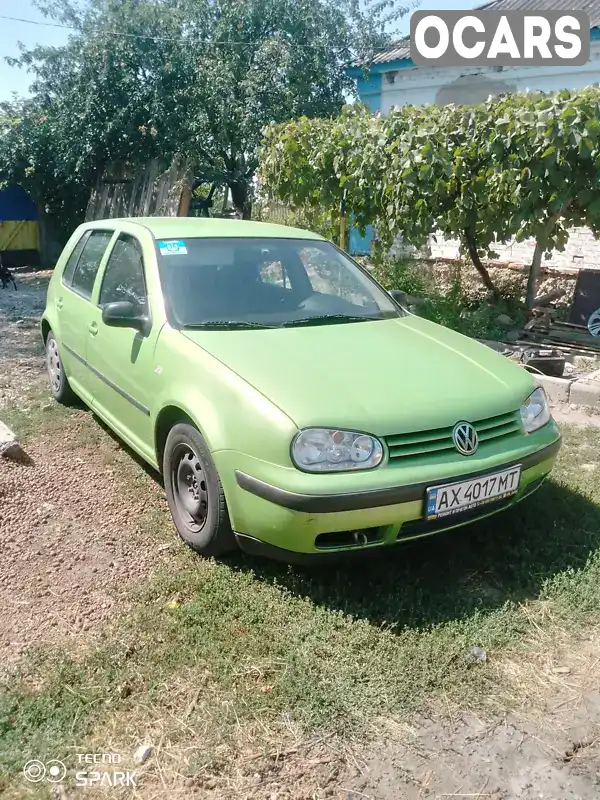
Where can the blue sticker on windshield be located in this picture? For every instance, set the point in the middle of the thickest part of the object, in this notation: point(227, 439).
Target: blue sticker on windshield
point(172, 247)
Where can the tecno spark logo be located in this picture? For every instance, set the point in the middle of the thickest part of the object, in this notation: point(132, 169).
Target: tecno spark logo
point(101, 771)
point(36, 771)
point(499, 39)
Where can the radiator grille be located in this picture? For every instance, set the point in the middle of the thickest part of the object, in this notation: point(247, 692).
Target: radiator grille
point(423, 443)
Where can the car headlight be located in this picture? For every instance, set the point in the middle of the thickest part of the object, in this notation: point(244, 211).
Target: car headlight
point(535, 411)
point(326, 450)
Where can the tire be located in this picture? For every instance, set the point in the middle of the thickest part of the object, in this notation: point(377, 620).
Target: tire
point(195, 493)
point(59, 383)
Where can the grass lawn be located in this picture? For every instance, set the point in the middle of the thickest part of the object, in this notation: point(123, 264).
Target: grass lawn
point(215, 654)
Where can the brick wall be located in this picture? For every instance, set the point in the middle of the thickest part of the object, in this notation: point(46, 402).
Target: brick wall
point(582, 251)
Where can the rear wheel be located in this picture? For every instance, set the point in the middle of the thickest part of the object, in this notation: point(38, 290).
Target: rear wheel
point(59, 383)
point(195, 493)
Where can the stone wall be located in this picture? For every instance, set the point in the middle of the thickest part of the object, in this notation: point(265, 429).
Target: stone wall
point(511, 282)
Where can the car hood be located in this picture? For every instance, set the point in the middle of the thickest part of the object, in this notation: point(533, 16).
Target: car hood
point(383, 377)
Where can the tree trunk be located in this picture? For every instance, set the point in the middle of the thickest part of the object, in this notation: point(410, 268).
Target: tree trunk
point(184, 202)
point(241, 200)
point(536, 262)
point(534, 274)
point(225, 200)
point(481, 269)
point(49, 247)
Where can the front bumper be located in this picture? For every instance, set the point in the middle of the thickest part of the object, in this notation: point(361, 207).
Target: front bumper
point(286, 522)
point(353, 501)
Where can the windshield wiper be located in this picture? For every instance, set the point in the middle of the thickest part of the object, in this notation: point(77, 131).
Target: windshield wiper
point(225, 323)
point(217, 324)
point(325, 318)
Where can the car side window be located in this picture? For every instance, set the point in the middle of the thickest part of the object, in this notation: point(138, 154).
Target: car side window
point(67, 276)
point(328, 276)
point(274, 272)
point(124, 275)
point(89, 262)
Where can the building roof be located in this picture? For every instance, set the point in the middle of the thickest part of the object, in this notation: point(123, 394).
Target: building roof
point(590, 7)
point(400, 49)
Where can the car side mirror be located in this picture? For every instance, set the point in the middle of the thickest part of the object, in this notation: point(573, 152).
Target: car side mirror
point(123, 314)
point(399, 296)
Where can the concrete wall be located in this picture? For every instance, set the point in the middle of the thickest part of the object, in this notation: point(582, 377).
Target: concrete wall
point(422, 85)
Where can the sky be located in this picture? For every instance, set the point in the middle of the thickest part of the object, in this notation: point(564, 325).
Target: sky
point(15, 80)
point(12, 79)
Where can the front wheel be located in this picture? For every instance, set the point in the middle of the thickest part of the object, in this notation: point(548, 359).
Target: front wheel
point(195, 494)
point(59, 383)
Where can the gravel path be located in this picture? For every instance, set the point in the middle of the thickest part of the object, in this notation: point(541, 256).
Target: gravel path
point(21, 352)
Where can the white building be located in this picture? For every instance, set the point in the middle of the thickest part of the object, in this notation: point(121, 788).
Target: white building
point(394, 80)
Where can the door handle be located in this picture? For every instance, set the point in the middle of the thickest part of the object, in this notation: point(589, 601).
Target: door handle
point(93, 328)
point(59, 303)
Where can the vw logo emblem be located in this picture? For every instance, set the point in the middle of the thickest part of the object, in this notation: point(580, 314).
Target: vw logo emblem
point(594, 323)
point(465, 438)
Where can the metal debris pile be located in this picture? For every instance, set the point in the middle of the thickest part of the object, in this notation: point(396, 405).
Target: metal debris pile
point(557, 347)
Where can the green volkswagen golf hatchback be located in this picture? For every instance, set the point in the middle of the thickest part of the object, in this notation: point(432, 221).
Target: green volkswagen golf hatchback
point(293, 407)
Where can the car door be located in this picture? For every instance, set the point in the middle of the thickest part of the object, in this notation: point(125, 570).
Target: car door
point(73, 306)
point(122, 359)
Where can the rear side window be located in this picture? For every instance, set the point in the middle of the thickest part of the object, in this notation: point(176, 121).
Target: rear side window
point(89, 262)
point(274, 272)
point(73, 259)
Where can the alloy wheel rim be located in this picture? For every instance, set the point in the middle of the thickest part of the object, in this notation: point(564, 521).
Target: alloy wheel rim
point(54, 365)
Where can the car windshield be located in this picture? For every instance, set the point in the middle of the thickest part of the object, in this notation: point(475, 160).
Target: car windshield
point(263, 283)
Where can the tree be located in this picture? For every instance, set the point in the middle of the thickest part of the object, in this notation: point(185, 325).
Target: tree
point(29, 157)
point(416, 171)
point(517, 166)
point(194, 78)
point(550, 148)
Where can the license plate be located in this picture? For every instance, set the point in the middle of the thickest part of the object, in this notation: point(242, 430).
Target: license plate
point(453, 498)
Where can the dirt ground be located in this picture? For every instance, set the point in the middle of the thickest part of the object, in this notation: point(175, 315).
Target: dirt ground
point(21, 353)
point(553, 756)
point(68, 535)
point(73, 546)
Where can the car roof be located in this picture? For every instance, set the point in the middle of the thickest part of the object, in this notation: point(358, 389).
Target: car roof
point(178, 227)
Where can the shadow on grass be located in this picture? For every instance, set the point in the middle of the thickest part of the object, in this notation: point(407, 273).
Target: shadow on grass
point(509, 557)
point(448, 576)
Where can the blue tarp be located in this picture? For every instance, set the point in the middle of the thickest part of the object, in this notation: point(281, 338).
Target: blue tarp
point(360, 245)
point(16, 206)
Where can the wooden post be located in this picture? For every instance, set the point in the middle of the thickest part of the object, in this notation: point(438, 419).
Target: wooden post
point(184, 202)
point(343, 220)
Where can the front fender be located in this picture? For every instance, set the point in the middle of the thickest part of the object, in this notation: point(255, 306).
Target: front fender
point(229, 412)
